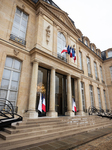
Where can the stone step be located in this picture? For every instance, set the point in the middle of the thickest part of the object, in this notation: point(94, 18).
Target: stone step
point(38, 139)
point(7, 136)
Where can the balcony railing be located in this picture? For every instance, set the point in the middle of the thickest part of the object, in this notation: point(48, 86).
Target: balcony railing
point(17, 39)
point(59, 56)
point(97, 78)
point(90, 75)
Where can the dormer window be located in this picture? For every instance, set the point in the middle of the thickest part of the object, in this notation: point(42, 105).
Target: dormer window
point(109, 54)
point(86, 42)
point(98, 53)
point(92, 48)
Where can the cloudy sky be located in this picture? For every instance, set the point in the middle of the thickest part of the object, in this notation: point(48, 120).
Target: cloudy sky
point(93, 18)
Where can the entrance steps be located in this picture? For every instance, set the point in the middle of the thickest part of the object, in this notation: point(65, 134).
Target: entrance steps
point(36, 131)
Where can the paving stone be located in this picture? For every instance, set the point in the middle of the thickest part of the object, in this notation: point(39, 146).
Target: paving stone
point(46, 147)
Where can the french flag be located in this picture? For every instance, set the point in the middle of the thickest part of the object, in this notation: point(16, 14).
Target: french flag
point(74, 105)
point(73, 54)
point(40, 104)
point(43, 104)
point(64, 50)
point(70, 52)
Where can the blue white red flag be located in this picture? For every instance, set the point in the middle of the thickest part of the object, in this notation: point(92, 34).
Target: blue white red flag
point(64, 50)
point(70, 51)
point(74, 105)
point(43, 104)
point(40, 104)
point(73, 54)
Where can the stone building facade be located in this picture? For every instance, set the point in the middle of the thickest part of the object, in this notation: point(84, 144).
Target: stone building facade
point(32, 36)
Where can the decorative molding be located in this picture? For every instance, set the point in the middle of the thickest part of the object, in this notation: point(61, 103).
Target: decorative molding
point(16, 52)
point(23, 7)
point(88, 54)
point(48, 33)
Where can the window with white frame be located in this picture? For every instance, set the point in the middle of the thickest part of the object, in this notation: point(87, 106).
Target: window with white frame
point(10, 80)
point(20, 24)
point(105, 99)
point(83, 98)
point(111, 72)
point(61, 42)
point(110, 54)
point(99, 99)
point(95, 67)
point(91, 95)
point(88, 65)
point(80, 59)
point(101, 73)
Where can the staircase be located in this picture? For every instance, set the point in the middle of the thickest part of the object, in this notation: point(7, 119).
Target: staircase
point(32, 132)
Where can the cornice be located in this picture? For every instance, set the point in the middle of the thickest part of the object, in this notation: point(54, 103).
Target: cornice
point(92, 80)
point(90, 51)
point(51, 57)
point(107, 60)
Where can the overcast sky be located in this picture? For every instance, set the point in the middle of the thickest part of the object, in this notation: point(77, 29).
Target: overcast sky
point(93, 18)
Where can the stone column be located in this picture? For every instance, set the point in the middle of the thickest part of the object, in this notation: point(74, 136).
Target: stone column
point(33, 91)
point(52, 112)
point(69, 97)
point(81, 112)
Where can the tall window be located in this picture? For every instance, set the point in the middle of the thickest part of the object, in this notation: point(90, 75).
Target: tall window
point(91, 95)
point(20, 24)
point(101, 73)
point(80, 59)
point(82, 92)
point(105, 99)
point(95, 67)
point(88, 65)
point(111, 72)
point(61, 43)
point(110, 54)
point(98, 91)
point(10, 80)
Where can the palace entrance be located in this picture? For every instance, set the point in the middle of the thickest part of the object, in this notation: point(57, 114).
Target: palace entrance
point(60, 94)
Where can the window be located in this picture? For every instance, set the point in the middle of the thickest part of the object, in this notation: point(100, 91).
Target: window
point(61, 42)
point(105, 99)
point(101, 73)
point(110, 54)
point(95, 67)
point(98, 91)
point(98, 53)
point(91, 95)
point(92, 48)
point(88, 65)
point(86, 42)
point(82, 92)
point(20, 24)
point(10, 80)
point(111, 72)
point(80, 59)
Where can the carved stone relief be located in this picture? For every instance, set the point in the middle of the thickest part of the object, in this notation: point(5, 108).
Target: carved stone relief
point(48, 33)
point(16, 52)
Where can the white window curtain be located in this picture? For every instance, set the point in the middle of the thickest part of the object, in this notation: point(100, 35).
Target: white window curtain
point(101, 73)
point(83, 98)
point(61, 43)
point(95, 67)
point(111, 72)
point(98, 91)
point(20, 24)
point(88, 65)
point(10, 80)
point(80, 59)
point(91, 95)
